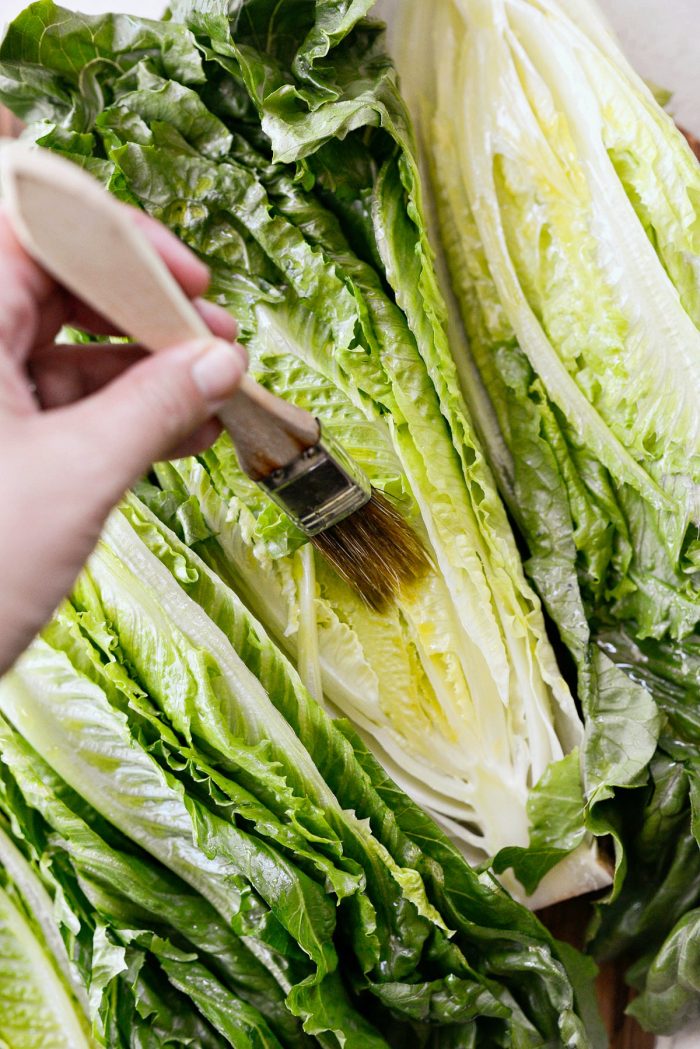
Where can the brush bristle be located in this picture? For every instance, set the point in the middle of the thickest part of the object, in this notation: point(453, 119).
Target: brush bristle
point(374, 550)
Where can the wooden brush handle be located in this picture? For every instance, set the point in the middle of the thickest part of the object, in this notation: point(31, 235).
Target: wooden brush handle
point(266, 431)
point(91, 244)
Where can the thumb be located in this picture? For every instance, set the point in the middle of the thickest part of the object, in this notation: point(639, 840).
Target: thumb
point(141, 416)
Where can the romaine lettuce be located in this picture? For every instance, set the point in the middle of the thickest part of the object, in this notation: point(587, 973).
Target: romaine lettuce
point(566, 205)
point(105, 898)
point(315, 883)
point(38, 1005)
point(294, 178)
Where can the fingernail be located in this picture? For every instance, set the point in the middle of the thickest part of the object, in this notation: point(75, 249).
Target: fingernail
point(218, 370)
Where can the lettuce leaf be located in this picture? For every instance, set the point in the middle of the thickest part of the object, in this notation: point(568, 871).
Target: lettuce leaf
point(415, 844)
point(457, 687)
point(290, 170)
point(551, 185)
point(89, 679)
point(565, 204)
point(104, 884)
point(37, 1001)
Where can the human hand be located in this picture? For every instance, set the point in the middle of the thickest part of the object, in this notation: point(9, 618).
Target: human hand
point(109, 412)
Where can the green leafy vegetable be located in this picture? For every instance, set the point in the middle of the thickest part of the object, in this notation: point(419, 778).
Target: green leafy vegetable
point(672, 990)
point(37, 1003)
point(100, 884)
point(222, 841)
point(457, 687)
point(379, 903)
point(566, 206)
point(583, 361)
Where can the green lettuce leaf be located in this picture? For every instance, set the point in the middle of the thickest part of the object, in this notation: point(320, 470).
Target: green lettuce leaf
point(41, 1001)
point(278, 818)
point(556, 808)
point(671, 996)
point(125, 890)
point(175, 829)
point(36, 1007)
point(566, 206)
point(236, 1020)
point(465, 656)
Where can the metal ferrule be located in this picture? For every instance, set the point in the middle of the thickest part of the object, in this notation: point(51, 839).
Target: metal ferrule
point(320, 488)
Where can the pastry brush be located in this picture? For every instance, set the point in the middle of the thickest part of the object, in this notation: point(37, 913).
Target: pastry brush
point(88, 241)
